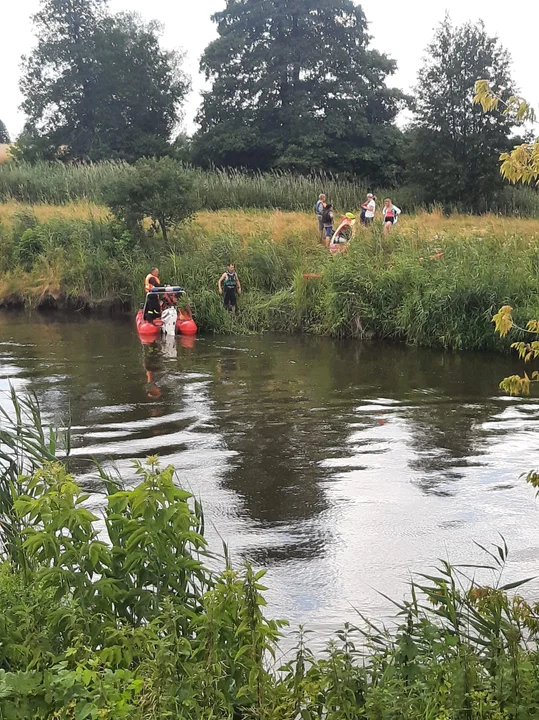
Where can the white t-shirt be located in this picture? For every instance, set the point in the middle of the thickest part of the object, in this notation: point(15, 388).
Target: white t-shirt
point(371, 209)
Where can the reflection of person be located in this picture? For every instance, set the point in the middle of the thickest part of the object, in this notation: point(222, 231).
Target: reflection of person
point(150, 364)
point(153, 308)
point(229, 279)
point(391, 215)
point(319, 210)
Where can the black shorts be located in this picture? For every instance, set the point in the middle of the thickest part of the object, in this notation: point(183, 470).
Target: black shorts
point(389, 220)
point(229, 297)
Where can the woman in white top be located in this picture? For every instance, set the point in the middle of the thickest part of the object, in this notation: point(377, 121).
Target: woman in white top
point(370, 209)
point(391, 215)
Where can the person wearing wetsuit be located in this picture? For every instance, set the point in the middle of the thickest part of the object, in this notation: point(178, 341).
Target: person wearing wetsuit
point(153, 308)
point(229, 283)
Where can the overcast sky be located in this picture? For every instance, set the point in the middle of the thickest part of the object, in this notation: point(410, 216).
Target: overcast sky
point(400, 28)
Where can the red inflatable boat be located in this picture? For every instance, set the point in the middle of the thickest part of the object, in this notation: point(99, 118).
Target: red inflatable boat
point(182, 319)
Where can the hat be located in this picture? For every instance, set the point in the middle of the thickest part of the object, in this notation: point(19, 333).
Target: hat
point(350, 216)
point(370, 195)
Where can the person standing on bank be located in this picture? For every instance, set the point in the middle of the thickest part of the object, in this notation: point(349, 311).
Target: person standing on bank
point(391, 215)
point(229, 283)
point(319, 210)
point(327, 220)
point(370, 209)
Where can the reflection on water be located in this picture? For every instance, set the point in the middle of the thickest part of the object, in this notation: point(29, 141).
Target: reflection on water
point(340, 467)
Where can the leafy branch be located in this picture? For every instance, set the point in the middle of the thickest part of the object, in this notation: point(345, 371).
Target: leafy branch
point(521, 165)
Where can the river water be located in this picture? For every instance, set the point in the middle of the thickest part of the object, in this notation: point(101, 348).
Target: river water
point(341, 467)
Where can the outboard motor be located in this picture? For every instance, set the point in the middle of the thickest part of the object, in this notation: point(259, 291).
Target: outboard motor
point(169, 317)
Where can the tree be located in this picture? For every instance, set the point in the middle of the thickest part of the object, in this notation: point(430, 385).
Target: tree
point(4, 135)
point(453, 144)
point(295, 85)
point(161, 189)
point(98, 84)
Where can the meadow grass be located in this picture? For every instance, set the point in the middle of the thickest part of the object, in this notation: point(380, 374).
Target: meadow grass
point(435, 281)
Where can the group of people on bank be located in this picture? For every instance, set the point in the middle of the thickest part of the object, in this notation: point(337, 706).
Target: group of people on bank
point(229, 287)
point(326, 216)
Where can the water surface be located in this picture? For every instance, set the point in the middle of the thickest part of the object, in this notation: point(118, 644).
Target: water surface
point(339, 466)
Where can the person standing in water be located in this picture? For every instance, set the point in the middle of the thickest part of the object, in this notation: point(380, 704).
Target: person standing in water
point(153, 308)
point(319, 210)
point(391, 215)
point(230, 282)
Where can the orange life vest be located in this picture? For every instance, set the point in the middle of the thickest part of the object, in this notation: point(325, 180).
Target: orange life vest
point(148, 285)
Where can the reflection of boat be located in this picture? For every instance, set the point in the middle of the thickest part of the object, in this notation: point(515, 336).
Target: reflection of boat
point(171, 320)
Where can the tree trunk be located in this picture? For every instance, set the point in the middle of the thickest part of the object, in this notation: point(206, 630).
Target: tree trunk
point(163, 226)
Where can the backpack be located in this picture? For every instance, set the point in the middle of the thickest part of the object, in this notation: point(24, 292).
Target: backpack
point(326, 216)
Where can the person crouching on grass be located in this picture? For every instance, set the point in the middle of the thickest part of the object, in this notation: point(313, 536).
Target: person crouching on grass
point(229, 279)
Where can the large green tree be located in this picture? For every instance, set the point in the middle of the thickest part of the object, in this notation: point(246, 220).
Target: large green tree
point(98, 84)
point(4, 135)
point(454, 145)
point(295, 85)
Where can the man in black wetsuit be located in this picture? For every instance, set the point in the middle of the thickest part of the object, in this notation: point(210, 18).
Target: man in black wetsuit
point(229, 283)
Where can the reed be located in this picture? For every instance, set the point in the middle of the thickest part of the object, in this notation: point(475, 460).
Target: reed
point(58, 184)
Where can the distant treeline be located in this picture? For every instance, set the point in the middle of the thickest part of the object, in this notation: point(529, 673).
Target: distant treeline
point(295, 88)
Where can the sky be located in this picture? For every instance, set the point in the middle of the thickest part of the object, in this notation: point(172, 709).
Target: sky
point(400, 28)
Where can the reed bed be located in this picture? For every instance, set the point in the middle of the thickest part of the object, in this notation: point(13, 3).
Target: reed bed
point(57, 184)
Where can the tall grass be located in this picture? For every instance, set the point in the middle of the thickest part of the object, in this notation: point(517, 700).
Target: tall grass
point(434, 281)
point(58, 183)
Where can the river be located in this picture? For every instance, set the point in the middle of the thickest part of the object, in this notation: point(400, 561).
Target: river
point(341, 467)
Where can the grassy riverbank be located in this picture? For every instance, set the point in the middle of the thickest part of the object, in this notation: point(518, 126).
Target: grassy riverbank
point(107, 615)
point(383, 286)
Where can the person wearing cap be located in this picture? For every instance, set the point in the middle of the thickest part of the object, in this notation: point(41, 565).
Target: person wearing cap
point(370, 209)
point(319, 210)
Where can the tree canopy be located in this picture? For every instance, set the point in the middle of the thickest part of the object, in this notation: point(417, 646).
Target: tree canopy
point(4, 135)
point(296, 86)
point(454, 146)
point(160, 189)
point(98, 84)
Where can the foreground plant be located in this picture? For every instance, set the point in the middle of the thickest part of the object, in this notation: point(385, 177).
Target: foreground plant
point(117, 614)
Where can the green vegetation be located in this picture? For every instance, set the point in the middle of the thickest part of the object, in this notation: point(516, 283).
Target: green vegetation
point(297, 87)
point(97, 85)
point(114, 612)
point(57, 184)
point(158, 189)
point(387, 287)
point(447, 126)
